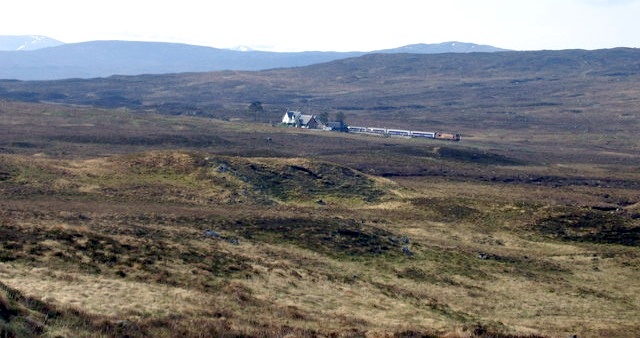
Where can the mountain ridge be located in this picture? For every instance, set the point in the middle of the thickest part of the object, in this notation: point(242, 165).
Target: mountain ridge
point(27, 42)
point(444, 47)
point(406, 91)
point(102, 58)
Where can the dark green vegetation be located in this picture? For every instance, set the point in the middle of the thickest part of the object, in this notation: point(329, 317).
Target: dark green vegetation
point(124, 221)
point(594, 226)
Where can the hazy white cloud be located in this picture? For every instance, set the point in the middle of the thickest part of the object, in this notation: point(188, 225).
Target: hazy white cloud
point(609, 2)
point(332, 24)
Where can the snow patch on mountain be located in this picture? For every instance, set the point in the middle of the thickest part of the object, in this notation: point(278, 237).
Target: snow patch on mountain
point(26, 42)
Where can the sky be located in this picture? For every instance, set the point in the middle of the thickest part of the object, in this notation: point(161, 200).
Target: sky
point(332, 25)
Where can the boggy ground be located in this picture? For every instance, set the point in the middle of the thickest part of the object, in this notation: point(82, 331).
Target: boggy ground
point(261, 231)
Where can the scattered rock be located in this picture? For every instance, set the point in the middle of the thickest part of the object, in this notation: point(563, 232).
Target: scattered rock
point(403, 239)
point(211, 233)
point(406, 251)
point(214, 234)
point(232, 240)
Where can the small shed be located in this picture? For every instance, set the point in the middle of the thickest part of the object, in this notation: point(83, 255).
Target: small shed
point(336, 126)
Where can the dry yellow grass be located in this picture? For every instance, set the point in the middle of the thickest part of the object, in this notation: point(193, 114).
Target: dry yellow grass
point(476, 256)
point(104, 296)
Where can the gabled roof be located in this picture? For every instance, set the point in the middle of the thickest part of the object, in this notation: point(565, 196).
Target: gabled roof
point(305, 119)
point(291, 116)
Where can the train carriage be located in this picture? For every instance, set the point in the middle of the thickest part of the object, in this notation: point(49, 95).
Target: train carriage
point(425, 134)
point(376, 130)
point(398, 132)
point(357, 129)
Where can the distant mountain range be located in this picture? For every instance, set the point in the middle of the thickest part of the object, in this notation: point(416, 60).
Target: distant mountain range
point(444, 47)
point(105, 58)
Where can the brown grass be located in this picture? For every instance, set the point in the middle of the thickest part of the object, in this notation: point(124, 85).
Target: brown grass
point(115, 239)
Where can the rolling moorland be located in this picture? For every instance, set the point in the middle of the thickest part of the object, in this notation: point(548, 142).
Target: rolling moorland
point(161, 206)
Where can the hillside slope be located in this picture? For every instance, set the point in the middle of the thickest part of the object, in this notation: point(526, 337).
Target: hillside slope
point(357, 81)
point(151, 243)
point(137, 224)
point(574, 98)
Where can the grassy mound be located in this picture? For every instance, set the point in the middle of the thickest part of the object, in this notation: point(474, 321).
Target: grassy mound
point(191, 178)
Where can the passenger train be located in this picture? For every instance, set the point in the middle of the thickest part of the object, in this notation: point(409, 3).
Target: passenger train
point(405, 133)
